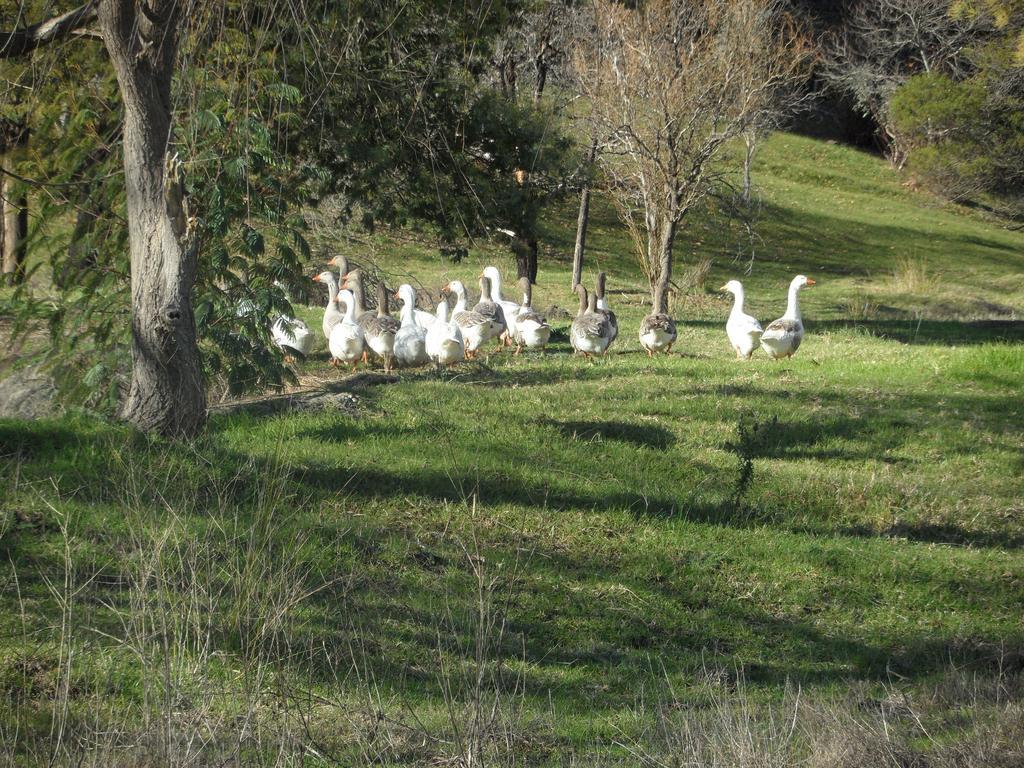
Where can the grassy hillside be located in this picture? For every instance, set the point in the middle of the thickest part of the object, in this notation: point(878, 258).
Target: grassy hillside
point(544, 561)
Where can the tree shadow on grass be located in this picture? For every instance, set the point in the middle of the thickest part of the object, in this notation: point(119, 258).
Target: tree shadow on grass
point(91, 464)
point(808, 440)
point(844, 246)
point(396, 612)
point(911, 330)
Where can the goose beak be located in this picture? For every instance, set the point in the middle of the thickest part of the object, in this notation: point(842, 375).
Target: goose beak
point(724, 288)
point(395, 295)
point(316, 278)
point(811, 282)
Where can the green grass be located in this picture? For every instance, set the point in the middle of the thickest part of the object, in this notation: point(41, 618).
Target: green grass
point(595, 512)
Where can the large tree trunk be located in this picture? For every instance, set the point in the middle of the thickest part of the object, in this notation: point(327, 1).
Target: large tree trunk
point(166, 394)
point(525, 250)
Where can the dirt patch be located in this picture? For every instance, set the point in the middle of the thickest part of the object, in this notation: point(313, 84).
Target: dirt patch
point(335, 396)
point(27, 394)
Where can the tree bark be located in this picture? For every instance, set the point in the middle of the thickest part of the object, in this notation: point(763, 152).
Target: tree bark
point(583, 220)
point(166, 394)
point(507, 75)
point(664, 281)
point(525, 250)
point(14, 228)
point(541, 66)
point(750, 145)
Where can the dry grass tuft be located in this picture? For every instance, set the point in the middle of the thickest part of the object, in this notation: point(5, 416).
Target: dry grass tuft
point(695, 277)
point(913, 275)
point(860, 306)
point(962, 721)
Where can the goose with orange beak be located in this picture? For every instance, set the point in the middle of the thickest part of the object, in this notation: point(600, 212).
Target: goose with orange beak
point(332, 314)
point(346, 341)
point(782, 337)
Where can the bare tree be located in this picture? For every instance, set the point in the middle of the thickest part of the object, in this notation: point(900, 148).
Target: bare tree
point(532, 47)
point(884, 42)
point(141, 37)
point(673, 83)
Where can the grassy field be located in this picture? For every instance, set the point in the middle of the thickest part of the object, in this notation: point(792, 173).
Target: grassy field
point(543, 561)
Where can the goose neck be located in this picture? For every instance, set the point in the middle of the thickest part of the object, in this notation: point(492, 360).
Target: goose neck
point(737, 304)
point(659, 306)
point(350, 309)
point(793, 305)
point(407, 314)
point(357, 294)
point(332, 291)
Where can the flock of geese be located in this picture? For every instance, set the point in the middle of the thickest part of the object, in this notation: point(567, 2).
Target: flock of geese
point(456, 333)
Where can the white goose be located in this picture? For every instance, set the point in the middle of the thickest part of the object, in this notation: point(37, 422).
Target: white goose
point(531, 328)
point(292, 336)
point(411, 339)
point(743, 330)
point(332, 315)
point(424, 318)
point(475, 327)
point(444, 341)
point(346, 339)
point(509, 308)
point(782, 338)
